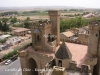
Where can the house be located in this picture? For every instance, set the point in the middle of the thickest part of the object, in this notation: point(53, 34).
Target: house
point(66, 35)
point(21, 31)
point(89, 15)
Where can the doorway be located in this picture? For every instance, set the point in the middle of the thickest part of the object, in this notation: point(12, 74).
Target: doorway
point(59, 63)
point(33, 66)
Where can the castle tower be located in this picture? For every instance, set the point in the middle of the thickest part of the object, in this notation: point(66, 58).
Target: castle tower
point(93, 38)
point(55, 19)
point(94, 44)
point(39, 30)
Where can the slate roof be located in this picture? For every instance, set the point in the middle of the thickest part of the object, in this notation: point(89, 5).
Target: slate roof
point(63, 52)
point(36, 31)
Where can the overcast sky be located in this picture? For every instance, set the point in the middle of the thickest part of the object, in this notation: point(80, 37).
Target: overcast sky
point(79, 3)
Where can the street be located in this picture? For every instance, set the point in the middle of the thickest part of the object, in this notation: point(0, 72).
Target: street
point(13, 68)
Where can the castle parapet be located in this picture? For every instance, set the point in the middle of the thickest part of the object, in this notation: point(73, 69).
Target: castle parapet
point(58, 70)
point(72, 65)
point(22, 53)
point(83, 69)
point(94, 25)
point(41, 24)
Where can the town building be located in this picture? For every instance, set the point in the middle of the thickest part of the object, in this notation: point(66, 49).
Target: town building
point(66, 35)
point(21, 31)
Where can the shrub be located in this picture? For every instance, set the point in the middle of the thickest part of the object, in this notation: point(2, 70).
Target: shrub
point(5, 56)
point(3, 40)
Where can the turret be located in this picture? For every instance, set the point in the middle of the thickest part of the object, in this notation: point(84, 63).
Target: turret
point(94, 30)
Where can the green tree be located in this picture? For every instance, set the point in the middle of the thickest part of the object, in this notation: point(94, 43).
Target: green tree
point(4, 20)
point(0, 26)
point(3, 40)
point(26, 24)
point(73, 23)
point(14, 20)
point(5, 27)
point(28, 19)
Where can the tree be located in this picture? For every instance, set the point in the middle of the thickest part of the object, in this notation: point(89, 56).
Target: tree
point(0, 26)
point(5, 27)
point(4, 20)
point(26, 24)
point(3, 40)
point(14, 20)
point(28, 19)
point(73, 23)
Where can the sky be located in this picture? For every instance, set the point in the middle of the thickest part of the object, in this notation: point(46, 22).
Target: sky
point(76, 3)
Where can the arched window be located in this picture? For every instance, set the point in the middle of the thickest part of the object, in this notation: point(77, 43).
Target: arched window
point(38, 38)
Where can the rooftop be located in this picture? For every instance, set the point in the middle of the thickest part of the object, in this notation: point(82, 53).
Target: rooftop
point(88, 15)
point(68, 33)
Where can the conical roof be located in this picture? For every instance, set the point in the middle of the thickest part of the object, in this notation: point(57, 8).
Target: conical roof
point(36, 31)
point(63, 52)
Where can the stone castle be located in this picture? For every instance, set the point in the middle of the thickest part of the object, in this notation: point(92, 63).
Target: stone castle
point(60, 58)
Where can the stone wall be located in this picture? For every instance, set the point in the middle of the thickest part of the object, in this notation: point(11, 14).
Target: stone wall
point(83, 38)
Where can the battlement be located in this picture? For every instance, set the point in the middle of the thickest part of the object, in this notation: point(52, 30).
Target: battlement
point(83, 69)
point(94, 25)
point(72, 70)
point(94, 22)
point(41, 24)
point(22, 53)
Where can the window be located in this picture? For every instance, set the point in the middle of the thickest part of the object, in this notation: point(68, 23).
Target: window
point(96, 35)
point(60, 63)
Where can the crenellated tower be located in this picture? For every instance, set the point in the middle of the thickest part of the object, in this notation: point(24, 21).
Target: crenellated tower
point(40, 30)
point(94, 28)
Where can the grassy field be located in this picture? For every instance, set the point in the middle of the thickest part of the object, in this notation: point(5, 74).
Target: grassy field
point(71, 13)
point(35, 14)
point(42, 14)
